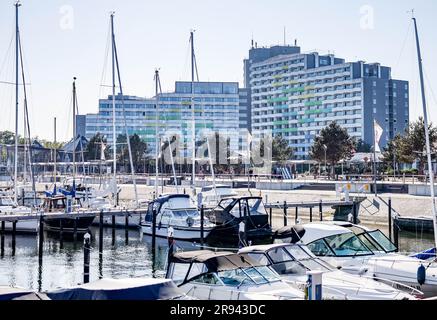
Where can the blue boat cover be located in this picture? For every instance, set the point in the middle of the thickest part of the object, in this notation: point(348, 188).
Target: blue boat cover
point(425, 255)
point(121, 289)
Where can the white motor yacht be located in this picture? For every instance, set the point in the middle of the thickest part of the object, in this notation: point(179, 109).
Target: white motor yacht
point(293, 261)
point(209, 275)
point(359, 250)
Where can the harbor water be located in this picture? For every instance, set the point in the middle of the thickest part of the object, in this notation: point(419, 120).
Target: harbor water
point(123, 257)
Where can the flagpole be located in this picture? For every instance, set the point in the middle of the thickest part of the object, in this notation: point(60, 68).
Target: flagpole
point(374, 158)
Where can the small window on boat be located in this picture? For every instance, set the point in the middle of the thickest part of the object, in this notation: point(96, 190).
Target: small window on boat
point(179, 272)
point(320, 248)
point(208, 278)
point(297, 252)
point(382, 240)
point(256, 207)
point(279, 255)
point(260, 257)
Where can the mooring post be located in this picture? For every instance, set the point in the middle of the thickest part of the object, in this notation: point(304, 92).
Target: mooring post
point(41, 236)
point(2, 241)
point(86, 258)
point(321, 210)
point(396, 235)
point(126, 228)
point(14, 232)
point(311, 214)
point(117, 198)
point(271, 216)
point(389, 220)
point(61, 234)
point(354, 209)
point(202, 217)
point(154, 230)
point(22, 197)
point(113, 229)
point(296, 219)
point(101, 244)
point(285, 214)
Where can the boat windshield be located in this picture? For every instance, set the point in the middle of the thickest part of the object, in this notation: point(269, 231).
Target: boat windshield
point(381, 240)
point(256, 207)
point(295, 260)
point(340, 245)
point(247, 276)
point(185, 213)
point(6, 202)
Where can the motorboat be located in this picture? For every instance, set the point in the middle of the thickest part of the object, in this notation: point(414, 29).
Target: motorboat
point(72, 221)
point(122, 289)
point(180, 213)
point(209, 275)
point(8, 207)
point(232, 211)
point(368, 252)
point(212, 195)
point(293, 261)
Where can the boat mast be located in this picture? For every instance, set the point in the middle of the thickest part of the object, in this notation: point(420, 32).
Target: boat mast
point(114, 48)
point(74, 128)
point(428, 146)
point(114, 138)
point(17, 33)
point(54, 151)
point(193, 124)
point(156, 132)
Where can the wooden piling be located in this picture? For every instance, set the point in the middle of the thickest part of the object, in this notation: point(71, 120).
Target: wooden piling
point(311, 214)
point(296, 219)
point(355, 213)
point(154, 230)
point(61, 234)
point(126, 228)
point(396, 235)
point(2, 239)
point(202, 218)
point(75, 230)
point(271, 216)
point(389, 220)
point(321, 210)
point(14, 233)
point(285, 214)
point(101, 244)
point(41, 237)
point(86, 258)
point(113, 230)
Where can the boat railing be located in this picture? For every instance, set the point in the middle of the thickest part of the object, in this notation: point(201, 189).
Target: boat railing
point(397, 285)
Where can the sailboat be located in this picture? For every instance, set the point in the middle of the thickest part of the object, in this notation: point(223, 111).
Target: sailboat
point(65, 200)
point(9, 203)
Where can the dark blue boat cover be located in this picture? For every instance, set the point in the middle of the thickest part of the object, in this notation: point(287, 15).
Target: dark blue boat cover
point(121, 289)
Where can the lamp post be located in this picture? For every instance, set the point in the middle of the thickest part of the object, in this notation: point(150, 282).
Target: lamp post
point(325, 148)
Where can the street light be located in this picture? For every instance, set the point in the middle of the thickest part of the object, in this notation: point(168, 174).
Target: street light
point(325, 148)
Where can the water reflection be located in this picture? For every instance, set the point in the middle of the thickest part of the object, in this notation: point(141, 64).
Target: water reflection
point(131, 256)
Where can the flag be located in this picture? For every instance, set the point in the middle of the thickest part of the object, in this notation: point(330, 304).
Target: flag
point(377, 134)
point(102, 153)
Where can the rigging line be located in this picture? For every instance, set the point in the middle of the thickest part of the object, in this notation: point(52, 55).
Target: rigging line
point(430, 88)
point(114, 46)
point(12, 83)
point(105, 60)
point(404, 44)
point(8, 50)
point(26, 112)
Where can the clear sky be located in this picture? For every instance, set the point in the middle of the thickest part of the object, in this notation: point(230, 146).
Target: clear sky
point(66, 38)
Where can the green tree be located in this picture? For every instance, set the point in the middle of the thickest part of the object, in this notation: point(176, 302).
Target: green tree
point(413, 145)
point(281, 151)
point(94, 147)
point(392, 152)
point(138, 148)
point(362, 146)
point(7, 137)
point(336, 142)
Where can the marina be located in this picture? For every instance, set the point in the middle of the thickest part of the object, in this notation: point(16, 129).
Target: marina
point(311, 182)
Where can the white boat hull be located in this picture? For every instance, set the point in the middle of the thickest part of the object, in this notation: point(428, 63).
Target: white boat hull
point(180, 233)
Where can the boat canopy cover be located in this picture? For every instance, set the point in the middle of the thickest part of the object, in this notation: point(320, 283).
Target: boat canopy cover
point(121, 289)
point(10, 293)
point(295, 233)
point(165, 198)
point(216, 261)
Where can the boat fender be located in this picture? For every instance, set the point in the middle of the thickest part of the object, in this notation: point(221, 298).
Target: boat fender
point(190, 222)
point(421, 274)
